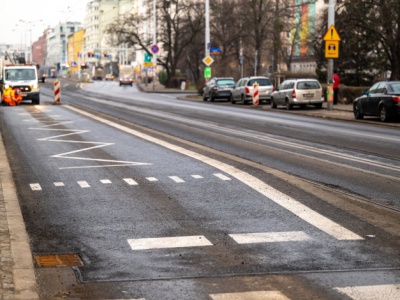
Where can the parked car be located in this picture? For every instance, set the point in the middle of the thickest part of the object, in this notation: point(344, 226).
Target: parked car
point(382, 99)
point(243, 90)
point(218, 88)
point(109, 77)
point(125, 79)
point(298, 92)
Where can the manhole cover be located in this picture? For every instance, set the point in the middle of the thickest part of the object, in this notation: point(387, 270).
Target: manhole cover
point(58, 260)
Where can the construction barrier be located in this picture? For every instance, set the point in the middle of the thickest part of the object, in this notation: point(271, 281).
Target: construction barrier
point(256, 96)
point(57, 94)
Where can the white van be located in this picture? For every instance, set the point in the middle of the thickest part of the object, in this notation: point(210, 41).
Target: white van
point(24, 77)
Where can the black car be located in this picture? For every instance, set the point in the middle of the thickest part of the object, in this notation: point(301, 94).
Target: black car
point(382, 99)
point(218, 88)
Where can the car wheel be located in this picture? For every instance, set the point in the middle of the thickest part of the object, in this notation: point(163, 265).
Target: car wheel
point(383, 114)
point(232, 100)
point(204, 97)
point(273, 104)
point(288, 105)
point(357, 112)
point(244, 102)
point(211, 98)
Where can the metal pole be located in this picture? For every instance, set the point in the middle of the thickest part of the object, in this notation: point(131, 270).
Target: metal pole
point(255, 63)
point(154, 42)
point(207, 50)
point(331, 21)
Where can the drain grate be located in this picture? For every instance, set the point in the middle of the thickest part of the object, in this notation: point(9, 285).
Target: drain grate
point(58, 260)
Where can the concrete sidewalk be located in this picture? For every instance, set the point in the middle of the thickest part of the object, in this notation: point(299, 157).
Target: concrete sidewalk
point(17, 275)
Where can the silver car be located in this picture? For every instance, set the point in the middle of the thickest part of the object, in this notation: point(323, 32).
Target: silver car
point(243, 90)
point(298, 92)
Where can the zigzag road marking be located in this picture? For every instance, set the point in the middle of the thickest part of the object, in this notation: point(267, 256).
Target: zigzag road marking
point(67, 155)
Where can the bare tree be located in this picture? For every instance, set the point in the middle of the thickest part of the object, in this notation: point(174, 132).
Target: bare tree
point(179, 23)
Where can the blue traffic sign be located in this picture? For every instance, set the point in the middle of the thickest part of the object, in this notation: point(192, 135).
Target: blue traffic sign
point(154, 48)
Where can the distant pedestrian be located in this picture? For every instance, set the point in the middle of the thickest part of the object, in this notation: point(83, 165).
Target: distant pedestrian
point(336, 82)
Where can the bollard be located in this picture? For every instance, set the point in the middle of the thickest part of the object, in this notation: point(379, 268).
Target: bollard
point(329, 97)
point(256, 95)
point(57, 92)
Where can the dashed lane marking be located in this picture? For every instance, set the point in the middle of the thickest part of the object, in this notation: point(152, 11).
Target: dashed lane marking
point(35, 187)
point(177, 179)
point(270, 237)
point(130, 181)
point(197, 176)
point(255, 295)
point(83, 184)
point(372, 292)
point(169, 242)
point(222, 176)
point(152, 179)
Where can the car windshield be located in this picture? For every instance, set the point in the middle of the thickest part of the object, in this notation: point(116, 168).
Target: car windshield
point(308, 85)
point(225, 82)
point(20, 74)
point(395, 87)
point(260, 81)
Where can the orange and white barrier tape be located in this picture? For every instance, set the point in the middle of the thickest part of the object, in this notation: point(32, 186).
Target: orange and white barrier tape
point(256, 96)
point(57, 92)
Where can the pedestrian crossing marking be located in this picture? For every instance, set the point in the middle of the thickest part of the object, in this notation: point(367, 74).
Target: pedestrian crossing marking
point(83, 184)
point(176, 179)
point(59, 184)
point(130, 181)
point(254, 295)
point(105, 181)
point(169, 242)
point(197, 176)
point(35, 187)
point(270, 237)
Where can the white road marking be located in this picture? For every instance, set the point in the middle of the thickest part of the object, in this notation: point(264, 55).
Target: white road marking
point(59, 184)
point(35, 187)
point(130, 181)
point(176, 179)
point(105, 181)
point(83, 184)
point(372, 292)
point(69, 132)
point(169, 242)
point(151, 179)
point(197, 176)
point(270, 237)
point(256, 295)
point(300, 210)
point(222, 176)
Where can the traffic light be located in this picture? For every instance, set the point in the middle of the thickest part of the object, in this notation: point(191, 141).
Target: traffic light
point(148, 57)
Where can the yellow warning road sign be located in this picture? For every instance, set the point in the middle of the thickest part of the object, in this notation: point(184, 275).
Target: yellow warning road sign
point(332, 34)
point(332, 49)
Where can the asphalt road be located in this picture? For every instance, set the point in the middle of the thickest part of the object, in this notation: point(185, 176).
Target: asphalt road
point(162, 198)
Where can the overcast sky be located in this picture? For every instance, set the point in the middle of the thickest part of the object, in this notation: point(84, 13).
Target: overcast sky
point(36, 15)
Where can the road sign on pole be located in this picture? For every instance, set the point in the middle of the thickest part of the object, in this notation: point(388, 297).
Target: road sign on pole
point(208, 60)
point(331, 39)
point(207, 72)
